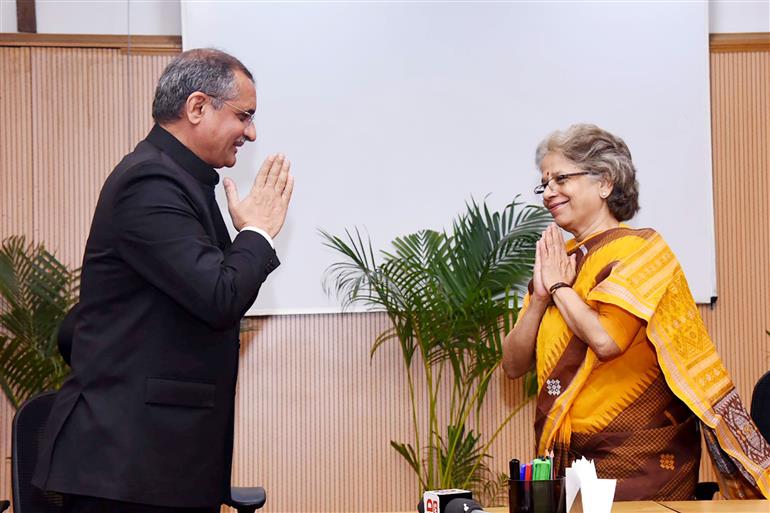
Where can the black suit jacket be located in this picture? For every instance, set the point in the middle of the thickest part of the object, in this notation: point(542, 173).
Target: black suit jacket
point(147, 414)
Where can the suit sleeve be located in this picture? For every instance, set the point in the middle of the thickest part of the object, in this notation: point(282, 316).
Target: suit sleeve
point(161, 237)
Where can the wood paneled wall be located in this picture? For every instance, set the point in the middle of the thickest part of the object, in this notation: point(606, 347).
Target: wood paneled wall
point(740, 128)
point(315, 413)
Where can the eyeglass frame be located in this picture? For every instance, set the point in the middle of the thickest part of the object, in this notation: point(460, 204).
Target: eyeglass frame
point(247, 121)
point(540, 189)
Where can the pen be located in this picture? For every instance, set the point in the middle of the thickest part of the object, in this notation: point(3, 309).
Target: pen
point(541, 470)
point(550, 460)
point(513, 468)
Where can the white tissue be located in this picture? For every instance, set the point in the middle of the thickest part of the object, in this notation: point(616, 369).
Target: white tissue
point(597, 495)
point(572, 485)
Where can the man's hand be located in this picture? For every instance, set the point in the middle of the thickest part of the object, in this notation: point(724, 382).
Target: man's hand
point(266, 204)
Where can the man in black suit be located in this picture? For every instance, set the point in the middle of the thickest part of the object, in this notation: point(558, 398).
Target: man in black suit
point(145, 422)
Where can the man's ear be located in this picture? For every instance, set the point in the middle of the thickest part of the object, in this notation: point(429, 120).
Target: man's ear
point(193, 108)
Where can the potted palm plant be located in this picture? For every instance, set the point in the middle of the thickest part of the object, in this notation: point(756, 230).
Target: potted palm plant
point(451, 297)
point(36, 292)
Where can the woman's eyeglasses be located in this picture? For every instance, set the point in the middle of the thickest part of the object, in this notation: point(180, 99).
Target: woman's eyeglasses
point(559, 180)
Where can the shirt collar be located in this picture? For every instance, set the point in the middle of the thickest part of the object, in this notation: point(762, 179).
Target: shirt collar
point(190, 162)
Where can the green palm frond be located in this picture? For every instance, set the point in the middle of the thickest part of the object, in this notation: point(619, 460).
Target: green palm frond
point(36, 291)
point(495, 491)
point(467, 463)
point(451, 298)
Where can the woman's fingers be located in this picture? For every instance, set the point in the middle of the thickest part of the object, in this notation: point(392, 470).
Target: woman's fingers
point(547, 236)
point(558, 239)
point(540, 246)
point(553, 237)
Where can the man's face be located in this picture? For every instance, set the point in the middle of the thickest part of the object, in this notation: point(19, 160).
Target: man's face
point(224, 130)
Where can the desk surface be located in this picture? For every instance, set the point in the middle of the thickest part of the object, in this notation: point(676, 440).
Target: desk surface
point(752, 506)
point(759, 506)
point(628, 507)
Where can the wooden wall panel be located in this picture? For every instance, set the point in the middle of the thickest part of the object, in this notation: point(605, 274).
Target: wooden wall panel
point(16, 183)
point(16, 176)
point(314, 413)
point(741, 146)
point(740, 121)
point(80, 123)
point(142, 74)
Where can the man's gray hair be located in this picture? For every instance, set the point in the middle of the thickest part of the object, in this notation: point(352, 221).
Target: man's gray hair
point(206, 70)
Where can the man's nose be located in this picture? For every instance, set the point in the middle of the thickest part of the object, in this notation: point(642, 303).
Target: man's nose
point(250, 132)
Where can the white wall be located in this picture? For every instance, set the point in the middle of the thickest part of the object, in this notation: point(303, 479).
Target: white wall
point(7, 15)
point(727, 16)
point(394, 114)
point(137, 17)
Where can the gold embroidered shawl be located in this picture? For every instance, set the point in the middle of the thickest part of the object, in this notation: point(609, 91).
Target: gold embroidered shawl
point(637, 271)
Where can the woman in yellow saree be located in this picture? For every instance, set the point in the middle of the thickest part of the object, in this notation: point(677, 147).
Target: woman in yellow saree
point(627, 374)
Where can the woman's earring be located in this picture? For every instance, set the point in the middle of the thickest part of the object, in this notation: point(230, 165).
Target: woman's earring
point(603, 195)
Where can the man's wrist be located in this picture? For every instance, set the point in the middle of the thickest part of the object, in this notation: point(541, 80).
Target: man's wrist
point(260, 231)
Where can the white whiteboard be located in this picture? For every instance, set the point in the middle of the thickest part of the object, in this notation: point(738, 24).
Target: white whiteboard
point(394, 114)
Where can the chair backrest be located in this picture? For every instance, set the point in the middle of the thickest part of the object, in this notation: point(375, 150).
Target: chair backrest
point(760, 405)
point(28, 428)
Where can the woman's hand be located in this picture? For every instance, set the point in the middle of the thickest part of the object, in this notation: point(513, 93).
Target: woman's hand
point(555, 265)
point(539, 291)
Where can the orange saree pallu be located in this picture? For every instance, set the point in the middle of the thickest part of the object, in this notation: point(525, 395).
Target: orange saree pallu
point(637, 415)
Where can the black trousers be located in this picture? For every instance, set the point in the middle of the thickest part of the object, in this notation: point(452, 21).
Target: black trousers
point(84, 504)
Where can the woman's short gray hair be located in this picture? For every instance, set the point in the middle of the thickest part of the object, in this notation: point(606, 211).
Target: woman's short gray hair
point(206, 70)
point(596, 150)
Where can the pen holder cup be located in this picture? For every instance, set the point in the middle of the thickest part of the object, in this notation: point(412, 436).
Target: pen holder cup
point(537, 496)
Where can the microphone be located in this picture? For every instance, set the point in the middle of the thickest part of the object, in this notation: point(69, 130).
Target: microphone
point(449, 501)
point(463, 506)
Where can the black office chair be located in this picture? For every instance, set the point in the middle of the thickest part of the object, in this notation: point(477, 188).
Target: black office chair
point(28, 427)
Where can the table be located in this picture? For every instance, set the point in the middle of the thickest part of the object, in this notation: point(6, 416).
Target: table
point(621, 507)
point(639, 507)
point(752, 506)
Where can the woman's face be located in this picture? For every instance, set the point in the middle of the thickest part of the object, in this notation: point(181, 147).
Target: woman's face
point(575, 202)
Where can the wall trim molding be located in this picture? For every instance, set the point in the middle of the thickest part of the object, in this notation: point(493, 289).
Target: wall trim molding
point(740, 42)
point(124, 43)
point(735, 42)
